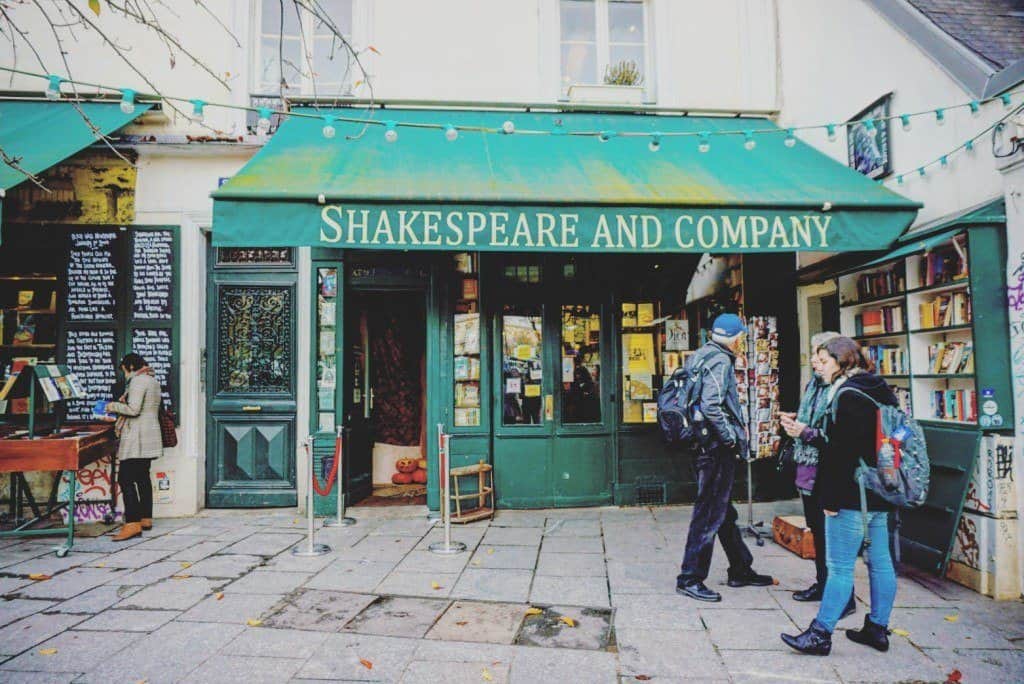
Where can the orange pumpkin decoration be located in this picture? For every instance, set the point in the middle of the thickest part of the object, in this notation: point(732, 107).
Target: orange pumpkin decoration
point(405, 465)
point(420, 477)
point(401, 478)
point(422, 463)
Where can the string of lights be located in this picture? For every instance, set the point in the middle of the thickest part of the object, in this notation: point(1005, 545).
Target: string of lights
point(129, 98)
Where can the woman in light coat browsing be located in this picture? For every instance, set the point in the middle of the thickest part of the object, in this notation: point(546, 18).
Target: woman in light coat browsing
point(138, 432)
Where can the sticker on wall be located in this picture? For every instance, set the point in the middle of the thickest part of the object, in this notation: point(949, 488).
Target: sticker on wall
point(163, 489)
point(987, 393)
point(990, 408)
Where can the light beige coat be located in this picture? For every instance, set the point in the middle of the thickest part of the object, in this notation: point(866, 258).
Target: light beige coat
point(140, 433)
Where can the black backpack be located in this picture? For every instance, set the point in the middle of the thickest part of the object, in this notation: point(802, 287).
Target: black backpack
point(681, 424)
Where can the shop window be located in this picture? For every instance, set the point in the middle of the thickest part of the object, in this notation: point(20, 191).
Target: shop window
point(655, 342)
point(601, 39)
point(297, 47)
point(326, 345)
point(255, 347)
point(581, 364)
point(527, 274)
point(521, 365)
point(466, 348)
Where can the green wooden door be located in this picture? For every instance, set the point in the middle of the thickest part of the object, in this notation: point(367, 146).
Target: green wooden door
point(553, 441)
point(250, 378)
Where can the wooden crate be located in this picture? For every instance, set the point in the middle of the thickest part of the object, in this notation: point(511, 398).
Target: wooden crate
point(791, 532)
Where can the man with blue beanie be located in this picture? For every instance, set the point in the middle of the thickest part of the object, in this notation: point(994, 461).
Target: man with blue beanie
point(716, 458)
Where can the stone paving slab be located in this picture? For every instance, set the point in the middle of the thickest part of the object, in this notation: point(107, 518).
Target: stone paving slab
point(69, 583)
point(496, 623)
point(75, 652)
point(432, 672)
point(223, 669)
point(95, 600)
point(590, 629)
point(532, 665)
point(29, 631)
point(232, 608)
point(12, 677)
point(275, 643)
point(9, 585)
point(675, 656)
point(379, 548)
point(49, 564)
point(224, 566)
point(571, 564)
point(572, 591)
point(414, 527)
point(15, 609)
point(149, 574)
point(561, 527)
point(170, 542)
point(572, 545)
point(198, 552)
point(432, 584)
point(398, 616)
point(264, 544)
point(351, 575)
point(340, 656)
point(513, 518)
point(512, 586)
point(286, 562)
point(642, 578)
point(980, 665)
point(426, 561)
point(742, 629)
point(134, 558)
point(316, 610)
point(267, 582)
point(172, 594)
point(13, 555)
point(929, 628)
point(465, 652)
point(166, 655)
point(128, 620)
point(901, 663)
point(504, 557)
point(513, 536)
point(650, 612)
point(771, 667)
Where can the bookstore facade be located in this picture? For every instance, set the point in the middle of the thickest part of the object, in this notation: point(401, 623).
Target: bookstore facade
point(528, 297)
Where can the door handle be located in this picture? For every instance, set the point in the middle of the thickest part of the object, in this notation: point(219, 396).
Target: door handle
point(252, 409)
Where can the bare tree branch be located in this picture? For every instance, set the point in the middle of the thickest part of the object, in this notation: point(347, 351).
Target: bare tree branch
point(15, 163)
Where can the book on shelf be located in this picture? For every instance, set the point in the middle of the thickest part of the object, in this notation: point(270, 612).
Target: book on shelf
point(951, 358)
point(944, 265)
point(954, 404)
point(25, 333)
point(946, 310)
point(25, 298)
point(464, 262)
point(469, 288)
point(888, 359)
point(881, 284)
point(902, 397)
point(887, 319)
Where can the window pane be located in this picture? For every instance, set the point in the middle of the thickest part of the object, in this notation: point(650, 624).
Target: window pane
point(340, 14)
point(581, 364)
point(330, 61)
point(642, 362)
point(271, 19)
point(521, 366)
point(578, 20)
point(625, 21)
point(619, 54)
point(270, 72)
point(467, 340)
point(579, 64)
point(327, 354)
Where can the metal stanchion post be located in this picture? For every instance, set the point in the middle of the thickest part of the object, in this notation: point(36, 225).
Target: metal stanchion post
point(339, 520)
point(310, 549)
point(754, 528)
point(447, 546)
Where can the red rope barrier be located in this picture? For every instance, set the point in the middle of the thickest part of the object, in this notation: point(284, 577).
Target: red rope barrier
point(333, 477)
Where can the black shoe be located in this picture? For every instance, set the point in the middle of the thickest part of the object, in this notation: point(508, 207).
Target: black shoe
point(850, 609)
point(875, 636)
point(816, 640)
point(749, 578)
point(811, 593)
point(697, 590)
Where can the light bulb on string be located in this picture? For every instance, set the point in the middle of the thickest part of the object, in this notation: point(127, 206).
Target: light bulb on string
point(899, 180)
point(830, 131)
point(905, 122)
point(328, 130)
point(508, 128)
point(920, 171)
point(655, 144)
point(969, 145)
point(975, 107)
point(197, 110)
point(1005, 97)
point(870, 128)
point(705, 142)
point(605, 136)
point(790, 140)
point(128, 101)
point(53, 87)
point(390, 131)
point(940, 117)
point(748, 140)
point(263, 122)
point(944, 161)
point(451, 134)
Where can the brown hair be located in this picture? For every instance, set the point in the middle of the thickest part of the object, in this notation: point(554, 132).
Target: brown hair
point(847, 354)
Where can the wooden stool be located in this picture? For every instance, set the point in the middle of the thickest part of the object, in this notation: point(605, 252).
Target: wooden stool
point(483, 471)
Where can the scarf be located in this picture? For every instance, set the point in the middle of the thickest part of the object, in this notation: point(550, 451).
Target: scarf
point(813, 408)
point(121, 420)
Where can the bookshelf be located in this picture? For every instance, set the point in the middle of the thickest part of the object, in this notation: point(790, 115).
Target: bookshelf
point(915, 316)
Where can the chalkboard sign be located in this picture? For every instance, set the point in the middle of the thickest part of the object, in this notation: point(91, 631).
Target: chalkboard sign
point(92, 276)
point(91, 355)
point(152, 275)
point(155, 346)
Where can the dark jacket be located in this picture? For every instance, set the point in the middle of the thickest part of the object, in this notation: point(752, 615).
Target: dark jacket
point(850, 435)
point(720, 400)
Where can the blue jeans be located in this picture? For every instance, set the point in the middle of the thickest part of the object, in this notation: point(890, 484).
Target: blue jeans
point(844, 534)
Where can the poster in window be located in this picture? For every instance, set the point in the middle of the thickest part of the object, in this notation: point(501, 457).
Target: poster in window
point(867, 147)
point(677, 334)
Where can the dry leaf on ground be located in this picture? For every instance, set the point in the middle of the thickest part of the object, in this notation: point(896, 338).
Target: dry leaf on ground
point(366, 663)
point(643, 678)
point(185, 564)
point(219, 595)
point(900, 632)
point(534, 611)
point(254, 623)
point(38, 577)
point(486, 675)
point(954, 677)
point(181, 576)
point(47, 651)
point(567, 620)
point(435, 585)
point(952, 618)
point(462, 623)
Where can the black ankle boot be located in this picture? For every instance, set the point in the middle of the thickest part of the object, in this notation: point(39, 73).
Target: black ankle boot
point(811, 593)
point(850, 609)
point(816, 640)
point(875, 636)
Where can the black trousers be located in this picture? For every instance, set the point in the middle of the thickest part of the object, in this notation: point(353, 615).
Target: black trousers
point(714, 514)
point(814, 514)
point(136, 489)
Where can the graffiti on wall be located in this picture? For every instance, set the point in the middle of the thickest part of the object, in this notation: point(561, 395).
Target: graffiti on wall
point(991, 489)
point(94, 485)
point(966, 548)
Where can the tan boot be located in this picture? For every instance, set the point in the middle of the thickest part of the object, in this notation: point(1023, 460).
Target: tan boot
point(128, 530)
point(147, 523)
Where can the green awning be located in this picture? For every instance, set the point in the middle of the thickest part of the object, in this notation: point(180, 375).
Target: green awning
point(914, 246)
point(490, 191)
point(39, 134)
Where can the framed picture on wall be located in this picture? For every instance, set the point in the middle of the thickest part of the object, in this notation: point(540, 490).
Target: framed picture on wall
point(867, 148)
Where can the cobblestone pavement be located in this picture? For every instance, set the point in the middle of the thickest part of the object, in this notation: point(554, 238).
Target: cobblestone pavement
point(581, 595)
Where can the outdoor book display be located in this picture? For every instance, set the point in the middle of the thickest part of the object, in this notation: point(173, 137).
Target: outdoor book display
point(932, 316)
point(65, 449)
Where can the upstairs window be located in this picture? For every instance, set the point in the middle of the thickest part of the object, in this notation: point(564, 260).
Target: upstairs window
point(603, 41)
point(300, 48)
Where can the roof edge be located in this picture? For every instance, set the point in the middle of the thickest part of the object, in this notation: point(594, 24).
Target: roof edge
point(1005, 79)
